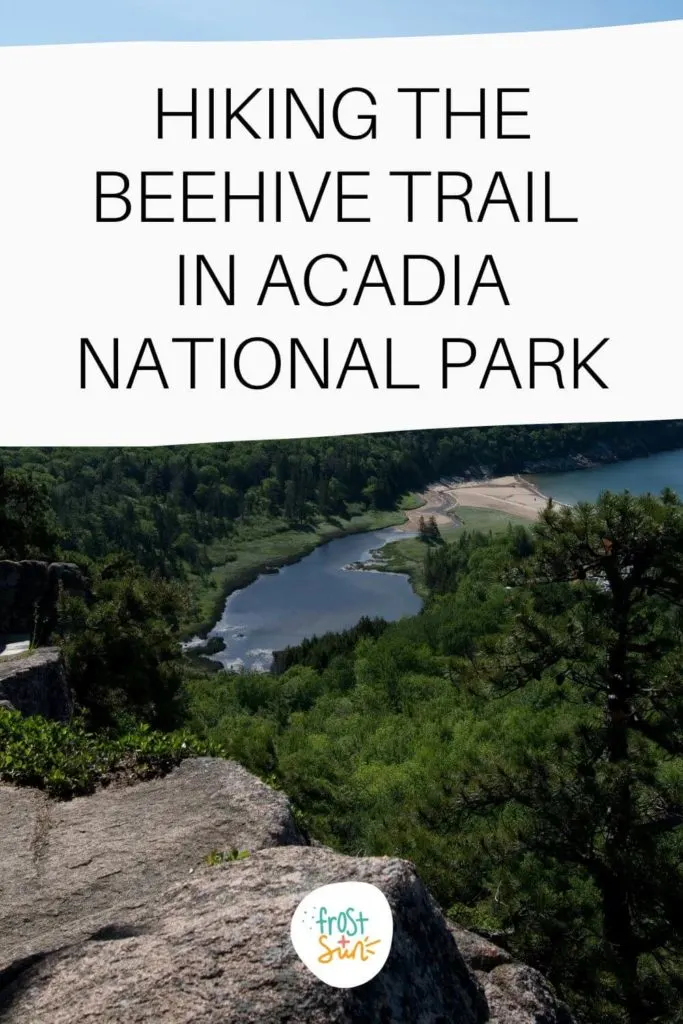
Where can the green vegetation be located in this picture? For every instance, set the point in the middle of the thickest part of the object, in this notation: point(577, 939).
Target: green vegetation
point(521, 740)
point(217, 857)
point(259, 546)
point(487, 520)
point(319, 652)
point(121, 648)
point(428, 530)
point(408, 556)
point(68, 760)
point(233, 508)
point(27, 522)
point(410, 501)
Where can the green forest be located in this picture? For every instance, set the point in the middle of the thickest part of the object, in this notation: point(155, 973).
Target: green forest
point(520, 740)
point(213, 515)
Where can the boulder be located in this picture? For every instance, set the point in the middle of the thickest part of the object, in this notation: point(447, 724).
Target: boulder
point(70, 868)
point(513, 992)
point(68, 577)
point(111, 912)
point(517, 994)
point(216, 950)
point(480, 953)
point(36, 684)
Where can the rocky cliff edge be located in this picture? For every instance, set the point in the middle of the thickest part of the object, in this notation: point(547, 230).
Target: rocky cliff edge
point(109, 913)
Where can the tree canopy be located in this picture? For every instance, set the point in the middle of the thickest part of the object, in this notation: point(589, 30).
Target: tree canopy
point(520, 740)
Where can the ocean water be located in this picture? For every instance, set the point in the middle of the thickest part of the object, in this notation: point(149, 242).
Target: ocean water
point(639, 476)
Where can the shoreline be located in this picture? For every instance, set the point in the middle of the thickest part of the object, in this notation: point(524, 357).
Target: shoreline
point(513, 495)
point(248, 574)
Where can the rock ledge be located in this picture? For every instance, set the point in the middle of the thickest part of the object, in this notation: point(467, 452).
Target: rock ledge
point(110, 913)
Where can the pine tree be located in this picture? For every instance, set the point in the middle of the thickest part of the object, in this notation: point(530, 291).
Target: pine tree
point(601, 634)
point(433, 529)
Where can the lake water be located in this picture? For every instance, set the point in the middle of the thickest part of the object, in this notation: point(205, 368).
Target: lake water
point(320, 595)
point(639, 476)
point(314, 596)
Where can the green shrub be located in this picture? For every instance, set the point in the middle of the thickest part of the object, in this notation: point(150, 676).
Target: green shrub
point(67, 760)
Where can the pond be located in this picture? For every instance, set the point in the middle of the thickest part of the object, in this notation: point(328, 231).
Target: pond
point(317, 595)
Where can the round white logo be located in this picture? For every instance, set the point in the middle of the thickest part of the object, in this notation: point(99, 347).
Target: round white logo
point(343, 932)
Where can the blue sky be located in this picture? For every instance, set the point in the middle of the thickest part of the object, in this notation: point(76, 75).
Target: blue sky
point(69, 21)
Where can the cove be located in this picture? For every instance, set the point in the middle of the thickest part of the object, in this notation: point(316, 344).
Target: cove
point(309, 598)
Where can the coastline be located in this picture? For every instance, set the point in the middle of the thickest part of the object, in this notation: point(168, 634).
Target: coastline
point(487, 504)
point(515, 496)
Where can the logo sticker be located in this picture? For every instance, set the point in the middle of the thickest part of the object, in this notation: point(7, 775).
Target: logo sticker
point(343, 932)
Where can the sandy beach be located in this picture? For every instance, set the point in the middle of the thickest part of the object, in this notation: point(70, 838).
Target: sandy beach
point(513, 495)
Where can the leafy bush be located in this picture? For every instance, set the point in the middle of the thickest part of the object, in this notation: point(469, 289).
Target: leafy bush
point(67, 760)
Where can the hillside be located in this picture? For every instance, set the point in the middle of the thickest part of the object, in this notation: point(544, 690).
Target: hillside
point(212, 516)
point(520, 741)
